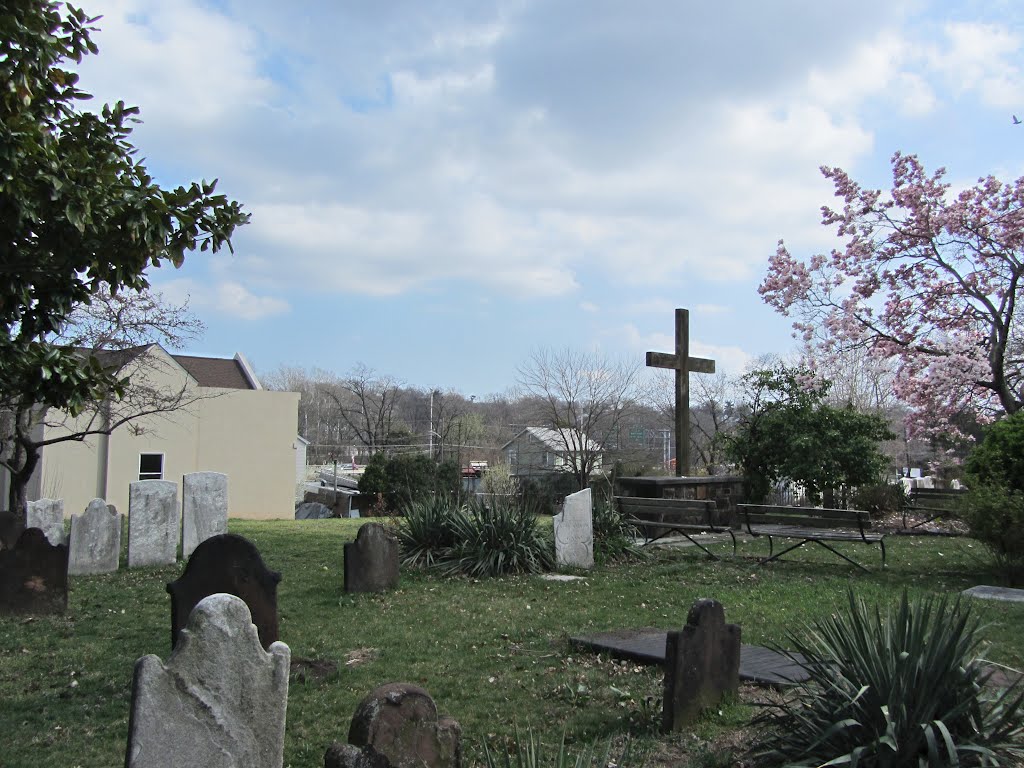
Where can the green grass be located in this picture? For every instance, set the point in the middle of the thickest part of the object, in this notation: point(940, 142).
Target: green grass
point(492, 652)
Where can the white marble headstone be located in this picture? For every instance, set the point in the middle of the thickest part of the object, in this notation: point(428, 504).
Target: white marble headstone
point(154, 523)
point(48, 516)
point(204, 506)
point(218, 702)
point(574, 531)
point(95, 545)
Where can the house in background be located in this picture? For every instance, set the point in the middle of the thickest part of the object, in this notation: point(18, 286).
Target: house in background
point(228, 424)
point(539, 450)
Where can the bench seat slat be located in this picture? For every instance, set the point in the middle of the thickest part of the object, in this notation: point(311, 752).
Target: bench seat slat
point(835, 534)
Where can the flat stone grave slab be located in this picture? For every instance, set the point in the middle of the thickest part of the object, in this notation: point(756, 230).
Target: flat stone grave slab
point(996, 593)
point(758, 665)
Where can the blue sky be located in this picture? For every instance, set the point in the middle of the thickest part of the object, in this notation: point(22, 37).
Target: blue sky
point(439, 188)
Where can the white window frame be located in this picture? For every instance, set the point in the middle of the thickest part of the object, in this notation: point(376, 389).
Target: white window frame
point(151, 475)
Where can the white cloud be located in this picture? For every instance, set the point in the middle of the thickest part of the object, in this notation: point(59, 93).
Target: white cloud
point(982, 58)
point(227, 298)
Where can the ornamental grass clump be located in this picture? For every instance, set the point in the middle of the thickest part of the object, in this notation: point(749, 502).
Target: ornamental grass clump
point(527, 751)
point(902, 687)
point(426, 532)
point(499, 537)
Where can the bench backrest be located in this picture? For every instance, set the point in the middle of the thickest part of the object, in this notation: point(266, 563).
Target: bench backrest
point(946, 498)
point(692, 509)
point(818, 517)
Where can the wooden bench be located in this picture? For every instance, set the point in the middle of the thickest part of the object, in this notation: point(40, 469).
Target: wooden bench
point(809, 525)
point(933, 503)
point(656, 518)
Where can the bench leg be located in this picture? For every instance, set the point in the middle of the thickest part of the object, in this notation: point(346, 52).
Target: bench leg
point(834, 551)
point(697, 543)
point(881, 543)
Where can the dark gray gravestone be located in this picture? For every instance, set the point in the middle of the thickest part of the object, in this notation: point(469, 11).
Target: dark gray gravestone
point(702, 665)
point(312, 510)
point(397, 726)
point(371, 563)
point(231, 564)
point(11, 526)
point(218, 702)
point(33, 575)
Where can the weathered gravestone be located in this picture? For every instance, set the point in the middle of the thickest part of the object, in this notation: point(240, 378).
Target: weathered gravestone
point(371, 562)
point(204, 507)
point(95, 544)
point(231, 564)
point(11, 526)
point(397, 726)
point(154, 523)
point(218, 702)
point(312, 510)
point(48, 516)
point(33, 575)
point(574, 531)
point(702, 665)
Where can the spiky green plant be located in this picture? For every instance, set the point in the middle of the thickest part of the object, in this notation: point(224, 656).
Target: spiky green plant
point(893, 688)
point(529, 752)
point(427, 531)
point(498, 537)
point(614, 535)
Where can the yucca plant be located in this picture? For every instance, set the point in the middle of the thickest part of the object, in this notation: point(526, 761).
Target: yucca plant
point(498, 537)
point(614, 535)
point(893, 688)
point(427, 531)
point(530, 752)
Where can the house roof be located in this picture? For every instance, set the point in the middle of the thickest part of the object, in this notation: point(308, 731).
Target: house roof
point(557, 439)
point(215, 371)
point(225, 373)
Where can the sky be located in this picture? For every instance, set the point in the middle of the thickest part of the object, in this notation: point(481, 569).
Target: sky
point(439, 188)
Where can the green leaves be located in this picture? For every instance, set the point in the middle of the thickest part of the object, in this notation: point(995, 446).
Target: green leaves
point(895, 688)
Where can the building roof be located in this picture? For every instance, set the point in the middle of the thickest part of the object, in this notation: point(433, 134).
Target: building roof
point(215, 371)
point(557, 439)
point(225, 373)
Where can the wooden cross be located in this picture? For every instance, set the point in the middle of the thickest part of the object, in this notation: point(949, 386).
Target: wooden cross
point(683, 365)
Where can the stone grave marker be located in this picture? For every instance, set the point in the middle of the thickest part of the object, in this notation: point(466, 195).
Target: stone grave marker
point(154, 523)
point(702, 665)
point(33, 575)
point(371, 562)
point(574, 531)
point(312, 510)
point(95, 544)
point(11, 526)
point(397, 726)
point(48, 516)
point(204, 507)
point(218, 702)
point(231, 564)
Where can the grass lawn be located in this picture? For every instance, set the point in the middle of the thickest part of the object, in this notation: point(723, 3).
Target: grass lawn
point(492, 653)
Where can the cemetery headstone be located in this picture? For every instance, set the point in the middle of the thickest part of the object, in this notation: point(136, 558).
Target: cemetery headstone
point(397, 726)
point(95, 544)
point(154, 523)
point(702, 665)
point(371, 562)
point(11, 526)
point(204, 506)
point(312, 510)
point(231, 564)
point(33, 575)
point(574, 531)
point(48, 516)
point(218, 702)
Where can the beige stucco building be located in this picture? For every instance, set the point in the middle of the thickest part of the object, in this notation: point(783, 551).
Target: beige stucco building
point(228, 424)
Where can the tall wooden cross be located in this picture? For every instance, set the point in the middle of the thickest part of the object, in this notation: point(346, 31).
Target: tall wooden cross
point(683, 365)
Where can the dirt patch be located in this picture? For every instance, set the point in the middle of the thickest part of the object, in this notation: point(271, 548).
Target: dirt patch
point(303, 670)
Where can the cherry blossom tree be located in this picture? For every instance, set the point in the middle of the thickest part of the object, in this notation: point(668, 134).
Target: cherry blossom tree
point(926, 277)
